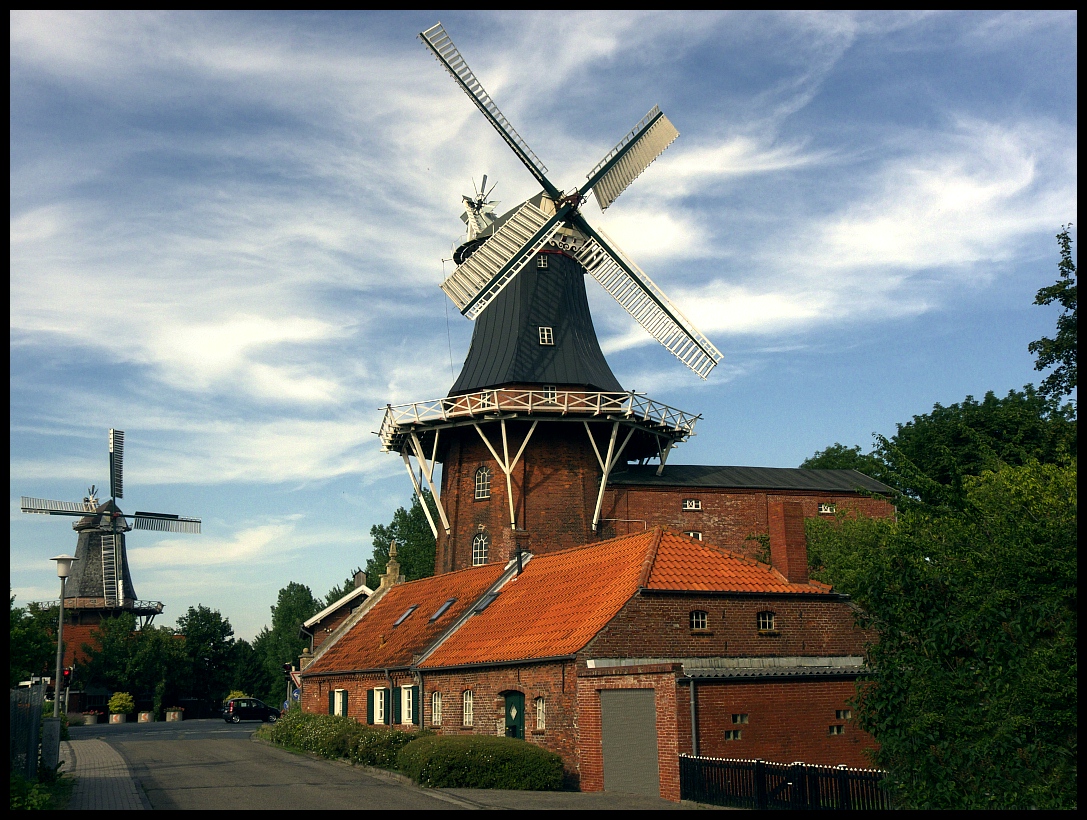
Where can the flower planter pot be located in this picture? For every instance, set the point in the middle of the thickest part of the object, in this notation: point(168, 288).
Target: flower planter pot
point(146, 717)
point(118, 718)
point(90, 720)
point(174, 714)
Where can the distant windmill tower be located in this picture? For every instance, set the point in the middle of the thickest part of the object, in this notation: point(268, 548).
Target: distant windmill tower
point(535, 371)
point(100, 585)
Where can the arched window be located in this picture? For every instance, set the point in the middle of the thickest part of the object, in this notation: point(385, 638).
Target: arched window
point(699, 619)
point(483, 483)
point(479, 549)
point(541, 716)
point(468, 718)
point(436, 709)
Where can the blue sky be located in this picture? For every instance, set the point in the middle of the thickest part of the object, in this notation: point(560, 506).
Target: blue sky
point(227, 234)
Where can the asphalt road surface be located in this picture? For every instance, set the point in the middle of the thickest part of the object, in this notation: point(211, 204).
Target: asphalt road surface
point(210, 764)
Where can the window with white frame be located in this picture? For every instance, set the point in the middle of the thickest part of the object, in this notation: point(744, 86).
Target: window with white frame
point(379, 705)
point(827, 509)
point(767, 622)
point(547, 336)
point(479, 549)
point(467, 717)
point(699, 619)
point(407, 704)
point(541, 261)
point(692, 503)
point(339, 702)
point(551, 393)
point(695, 534)
point(483, 483)
point(436, 708)
point(541, 714)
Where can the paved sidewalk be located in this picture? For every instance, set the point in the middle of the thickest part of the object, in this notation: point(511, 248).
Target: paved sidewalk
point(102, 778)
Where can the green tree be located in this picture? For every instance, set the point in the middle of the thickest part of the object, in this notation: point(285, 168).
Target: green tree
point(31, 645)
point(209, 638)
point(142, 661)
point(1059, 352)
point(839, 457)
point(248, 672)
point(415, 544)
point(337, 592)
point(283, 643)
point(973, 699)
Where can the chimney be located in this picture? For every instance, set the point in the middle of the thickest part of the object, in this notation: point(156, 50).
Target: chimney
point(360, 578)
point(788, 543)
point(520, 547)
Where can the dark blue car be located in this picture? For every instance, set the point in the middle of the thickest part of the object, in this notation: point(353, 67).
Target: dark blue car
point(236, 710)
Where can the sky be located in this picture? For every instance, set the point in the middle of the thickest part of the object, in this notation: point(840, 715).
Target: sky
point(228, 231)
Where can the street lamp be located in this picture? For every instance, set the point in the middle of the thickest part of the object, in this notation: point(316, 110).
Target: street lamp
point(64, 569)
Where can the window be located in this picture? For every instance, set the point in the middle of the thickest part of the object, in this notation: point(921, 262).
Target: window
point(379, 705)
point(404, 617)
point(339, 702)
point(467, 718)
point(740, 718)
point(483, 483)
point(485, 601)
point(836, 730)
point(766, 622)
point(827, 509)
point(843, 714)
point(695, 534)
point(733, 734)
point(479, 549)
point(442, 609)
point(692, 503)
point(436, 709)
point(407, 704)
point(551, 393)
point(541, 261)
point(541, 717)
point(698, 619)
point(547, 336)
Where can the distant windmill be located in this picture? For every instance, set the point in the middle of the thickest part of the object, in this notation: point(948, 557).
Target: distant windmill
point(486, 264)
point(100, 578)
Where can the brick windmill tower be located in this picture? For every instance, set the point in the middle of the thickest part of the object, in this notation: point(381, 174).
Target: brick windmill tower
point(100, 585)
point(536, 422)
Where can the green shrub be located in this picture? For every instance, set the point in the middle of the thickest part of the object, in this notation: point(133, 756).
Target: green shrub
point(480, 762)
point(44, 795)
point(121, 703)
point(379, 746)
point(326, 735)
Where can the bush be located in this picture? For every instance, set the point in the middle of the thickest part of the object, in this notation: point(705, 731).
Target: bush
point(121, 703)
point(338, 737)
point(380, 746)
point(26, 795)
point(480, 762)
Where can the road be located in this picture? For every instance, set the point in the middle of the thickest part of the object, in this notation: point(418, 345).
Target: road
point(209, 764)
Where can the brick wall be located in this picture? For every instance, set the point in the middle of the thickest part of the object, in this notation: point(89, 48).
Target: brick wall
point(727, 516)
point(662, 680)
point(557, 467)
point(787, 721)
point(658, 626)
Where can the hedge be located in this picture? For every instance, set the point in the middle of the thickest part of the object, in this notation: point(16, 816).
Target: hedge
point(480, 762)
point(338, 737)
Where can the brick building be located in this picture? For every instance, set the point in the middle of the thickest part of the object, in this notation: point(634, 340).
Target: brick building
point(619, 655)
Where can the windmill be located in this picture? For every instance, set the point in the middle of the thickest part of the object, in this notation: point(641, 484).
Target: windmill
point(485, 268)
point(100, 579)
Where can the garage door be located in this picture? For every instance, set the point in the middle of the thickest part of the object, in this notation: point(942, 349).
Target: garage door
point(628, 730)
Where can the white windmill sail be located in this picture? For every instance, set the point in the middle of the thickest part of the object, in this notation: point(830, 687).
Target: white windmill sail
point(475, 284)
point(634, 153)
point(641, 298)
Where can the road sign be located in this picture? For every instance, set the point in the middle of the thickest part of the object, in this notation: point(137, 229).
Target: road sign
point(296, 694)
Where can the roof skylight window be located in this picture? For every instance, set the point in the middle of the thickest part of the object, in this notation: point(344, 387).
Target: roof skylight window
point(404, 617)
point(486, 601)
point(442, 609)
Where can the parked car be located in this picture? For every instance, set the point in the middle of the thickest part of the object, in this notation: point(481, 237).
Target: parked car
point(236, 710)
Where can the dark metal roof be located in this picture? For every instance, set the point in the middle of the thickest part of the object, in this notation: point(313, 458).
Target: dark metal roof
point(762, 478)
point(506, 345)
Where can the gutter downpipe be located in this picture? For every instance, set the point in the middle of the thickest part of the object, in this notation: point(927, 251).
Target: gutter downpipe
point(694, 719)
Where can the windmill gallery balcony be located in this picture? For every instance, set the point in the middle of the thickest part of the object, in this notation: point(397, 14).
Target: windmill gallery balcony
point(560, 405)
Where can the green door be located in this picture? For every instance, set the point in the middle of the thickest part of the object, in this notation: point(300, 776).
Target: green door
point(515, 715)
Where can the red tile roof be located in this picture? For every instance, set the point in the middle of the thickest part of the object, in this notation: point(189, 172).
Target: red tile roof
point(563, 599)
point(375, 643)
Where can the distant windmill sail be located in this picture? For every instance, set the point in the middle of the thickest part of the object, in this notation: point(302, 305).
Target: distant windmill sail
point(486, 269)
point(116, 463)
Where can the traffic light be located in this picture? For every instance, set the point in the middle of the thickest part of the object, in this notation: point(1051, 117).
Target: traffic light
point(287, 671)
point(66, 676)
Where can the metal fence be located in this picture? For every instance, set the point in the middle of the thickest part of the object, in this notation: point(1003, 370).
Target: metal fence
point(759, 784)
point(25, 728)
